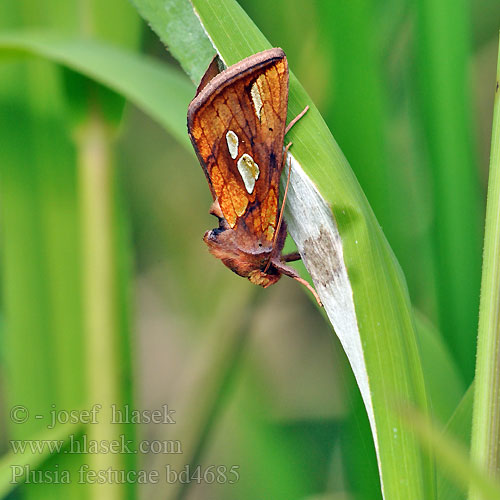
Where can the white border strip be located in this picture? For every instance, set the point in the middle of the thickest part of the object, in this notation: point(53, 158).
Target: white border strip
point(312, 226)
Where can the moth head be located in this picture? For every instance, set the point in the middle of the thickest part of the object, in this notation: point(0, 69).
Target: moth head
point(224, 244)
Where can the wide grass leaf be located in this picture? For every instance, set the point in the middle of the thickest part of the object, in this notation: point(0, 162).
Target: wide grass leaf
point(160, 91)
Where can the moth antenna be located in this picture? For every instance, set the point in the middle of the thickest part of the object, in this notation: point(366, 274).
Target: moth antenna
point(280, 220)
point(310, 288)
point(296, 119)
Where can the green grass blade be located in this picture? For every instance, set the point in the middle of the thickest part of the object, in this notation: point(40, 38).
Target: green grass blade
point(459, 428)
point(360, 97)
point(11, 462)
point(367, 106)
point(389, 357)
point(176, 23)
point(42, 334)
point(443, 377)
point(160, 91)
point(442, 59)
point(485, 447)
point(453, 457)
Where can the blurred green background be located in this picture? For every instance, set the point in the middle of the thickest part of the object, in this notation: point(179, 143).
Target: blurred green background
point(256, 378)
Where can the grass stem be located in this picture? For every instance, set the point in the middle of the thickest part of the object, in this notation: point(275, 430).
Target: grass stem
point(485, 447)
point(101, 324)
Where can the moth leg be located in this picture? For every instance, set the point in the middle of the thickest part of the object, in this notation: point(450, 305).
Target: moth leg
point(296, 119)
point(291, 257)
point(292, 273)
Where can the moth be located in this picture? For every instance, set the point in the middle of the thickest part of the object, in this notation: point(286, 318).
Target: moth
point(237, 125)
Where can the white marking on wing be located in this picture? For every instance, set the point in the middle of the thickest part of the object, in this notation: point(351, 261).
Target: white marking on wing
point(249, 171)
point(257, 99)
point(232, 144)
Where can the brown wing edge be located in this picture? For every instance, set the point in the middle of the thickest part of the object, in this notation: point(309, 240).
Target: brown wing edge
point(220, 81)
point(261, 59)
point(215, 67)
